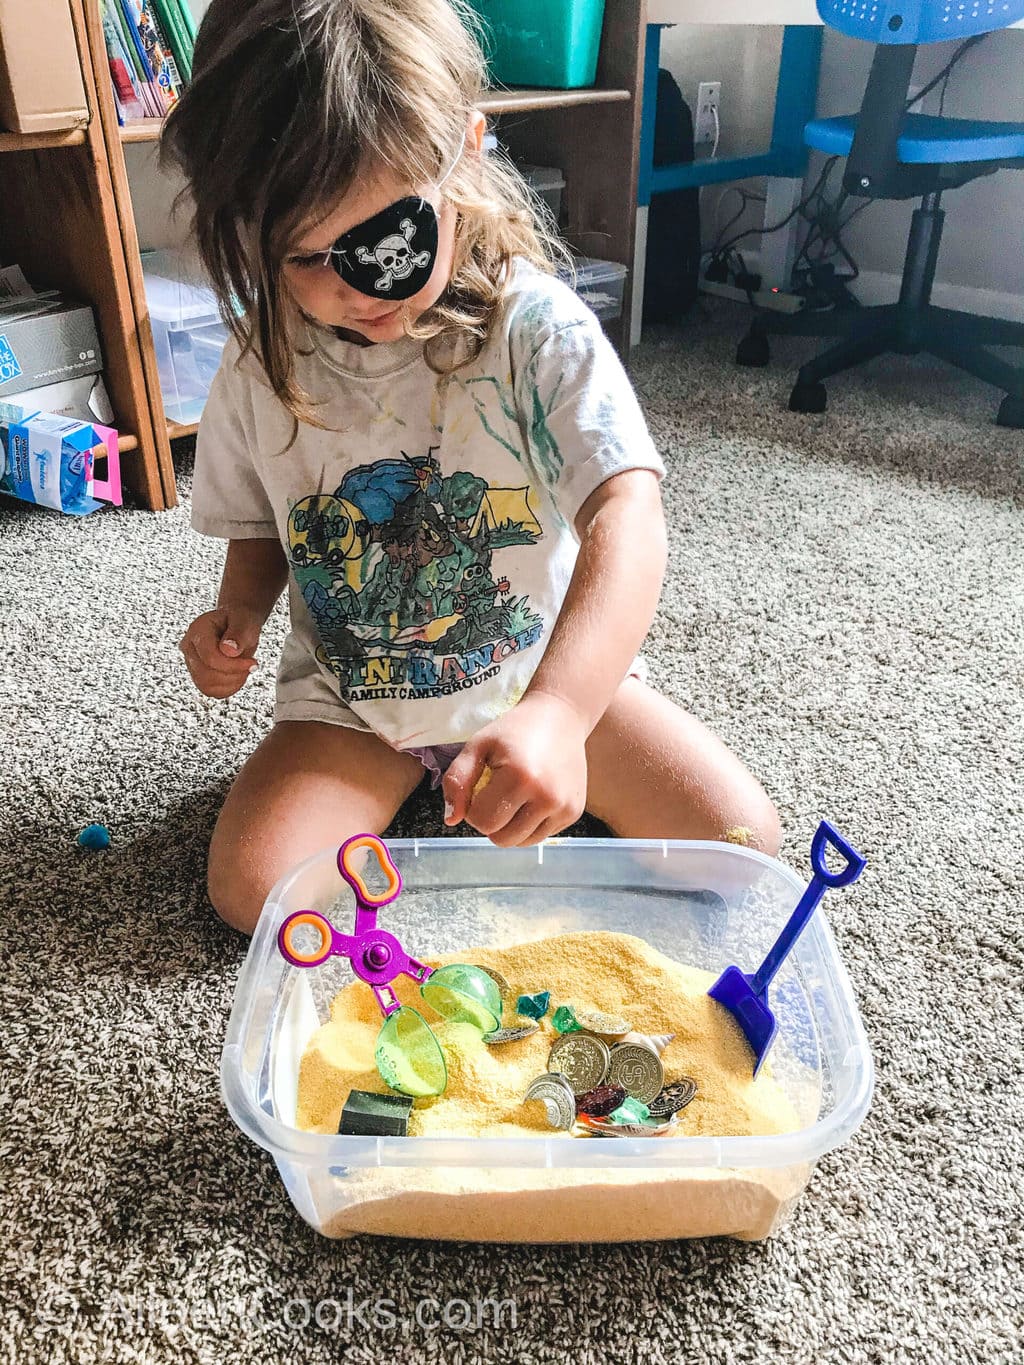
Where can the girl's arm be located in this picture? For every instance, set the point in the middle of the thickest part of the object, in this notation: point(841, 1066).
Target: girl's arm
point(612, 596)
point(255, 574)
point(219, 646)
point(536, 750)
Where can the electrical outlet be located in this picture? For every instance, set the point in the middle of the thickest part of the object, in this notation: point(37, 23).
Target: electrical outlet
point(706, 123)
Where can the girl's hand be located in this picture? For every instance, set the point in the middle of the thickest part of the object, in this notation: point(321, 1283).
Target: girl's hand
point(537, 761)
point(219, 647)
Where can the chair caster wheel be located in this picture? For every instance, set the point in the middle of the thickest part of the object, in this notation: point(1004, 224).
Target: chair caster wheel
point(808, 398)
point(1011, 413)
point(753, 350)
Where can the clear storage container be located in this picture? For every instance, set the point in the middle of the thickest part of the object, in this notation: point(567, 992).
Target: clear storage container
point(548, 182)
point(601, 285)
point(703, 904)
point(188, 333)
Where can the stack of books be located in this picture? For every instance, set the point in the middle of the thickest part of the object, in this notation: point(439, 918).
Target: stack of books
point(150, 44)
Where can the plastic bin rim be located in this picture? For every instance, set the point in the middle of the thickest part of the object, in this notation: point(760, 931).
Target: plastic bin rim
point(773, 1151)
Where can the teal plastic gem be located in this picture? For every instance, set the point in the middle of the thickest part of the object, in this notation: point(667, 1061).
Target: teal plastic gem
point(565, 1020)
point(630, 1111)
point(534, 1006)
point(465, 994)
point(408, 1056)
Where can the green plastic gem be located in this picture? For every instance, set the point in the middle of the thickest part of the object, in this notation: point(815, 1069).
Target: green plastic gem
point(630, 1111)
point(408, 1056)
point(465, 994)
point(534, 1006)
point(565, 1020)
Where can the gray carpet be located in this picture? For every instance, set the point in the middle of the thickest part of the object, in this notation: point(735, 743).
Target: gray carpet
point(844, 606)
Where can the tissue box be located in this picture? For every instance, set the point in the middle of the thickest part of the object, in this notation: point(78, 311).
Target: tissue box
point(50, 461)
point(41, 345)
point(41, 84)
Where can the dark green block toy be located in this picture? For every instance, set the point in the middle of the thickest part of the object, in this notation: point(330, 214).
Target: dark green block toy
point(367, 1114)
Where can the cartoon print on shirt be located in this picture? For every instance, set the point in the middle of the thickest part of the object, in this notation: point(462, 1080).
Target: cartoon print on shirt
point(397, 569)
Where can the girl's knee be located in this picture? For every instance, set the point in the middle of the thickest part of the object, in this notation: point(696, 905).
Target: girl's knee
point(235, 900)
point(755, 823)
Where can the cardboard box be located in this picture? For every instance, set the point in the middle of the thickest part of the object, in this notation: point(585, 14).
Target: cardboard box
point(49, 347)
point(41, 85)
point(85, 398)
point(51, 461)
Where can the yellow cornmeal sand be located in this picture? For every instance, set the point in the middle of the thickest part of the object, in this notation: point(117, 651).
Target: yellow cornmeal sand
point(616, 973)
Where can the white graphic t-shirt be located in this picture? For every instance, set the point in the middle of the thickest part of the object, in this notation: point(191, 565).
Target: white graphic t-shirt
point(429, 530)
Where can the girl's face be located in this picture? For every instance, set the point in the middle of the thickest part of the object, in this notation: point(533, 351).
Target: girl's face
point(322, 294)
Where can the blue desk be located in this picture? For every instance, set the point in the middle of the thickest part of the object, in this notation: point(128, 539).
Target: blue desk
point(785, 160)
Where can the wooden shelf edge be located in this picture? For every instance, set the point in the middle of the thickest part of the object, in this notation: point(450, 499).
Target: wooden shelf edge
point(511, 101)
point(145, 130)
point(176, 430)
point(32, 142)
point(493, 102)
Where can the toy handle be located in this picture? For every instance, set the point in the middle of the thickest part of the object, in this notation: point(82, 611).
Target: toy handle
point(821, 881)
point(827, 834)
point(312, 920)
point(364, 896)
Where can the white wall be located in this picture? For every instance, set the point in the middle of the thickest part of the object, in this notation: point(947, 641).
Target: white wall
point(745, 59)
point(982, 263)
point(982, 248)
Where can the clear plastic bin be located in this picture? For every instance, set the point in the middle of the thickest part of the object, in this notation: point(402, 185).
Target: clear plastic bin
point(548, 182)
point(601, 285)
point(702, 904)
point(188, 333)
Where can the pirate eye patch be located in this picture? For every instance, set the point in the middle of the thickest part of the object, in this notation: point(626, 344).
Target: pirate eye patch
point(392, 254)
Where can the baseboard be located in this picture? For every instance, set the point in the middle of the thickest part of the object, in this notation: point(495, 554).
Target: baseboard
point(876, 286)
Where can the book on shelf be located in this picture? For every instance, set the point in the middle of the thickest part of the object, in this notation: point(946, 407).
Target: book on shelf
point(150, 44)
point(128, 96)
point(168, 17)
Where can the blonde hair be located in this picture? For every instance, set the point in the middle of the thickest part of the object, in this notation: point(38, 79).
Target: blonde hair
point(289, 101)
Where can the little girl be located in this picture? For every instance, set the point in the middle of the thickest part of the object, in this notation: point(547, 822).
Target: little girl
point(427, 437)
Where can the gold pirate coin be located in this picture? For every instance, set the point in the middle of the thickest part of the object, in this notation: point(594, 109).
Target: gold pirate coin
point(504, 989)
point(637, 1069)
point(673, 1097)
point(605, 1025)
point(582, 1059)
point(511, 1035)
point(555, 1093)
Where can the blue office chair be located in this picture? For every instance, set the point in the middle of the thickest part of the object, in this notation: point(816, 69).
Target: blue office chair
point(893, 154)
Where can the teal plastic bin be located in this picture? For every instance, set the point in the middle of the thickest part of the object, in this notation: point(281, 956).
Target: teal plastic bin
point(542, 42)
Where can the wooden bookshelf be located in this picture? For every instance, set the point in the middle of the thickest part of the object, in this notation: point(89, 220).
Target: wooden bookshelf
point(177, 430)
point(68, 218)
point(145, 130)
point(494, 102)
point(34, 142)
point(60, 222)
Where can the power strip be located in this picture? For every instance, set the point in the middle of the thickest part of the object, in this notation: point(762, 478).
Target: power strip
point(778, 300)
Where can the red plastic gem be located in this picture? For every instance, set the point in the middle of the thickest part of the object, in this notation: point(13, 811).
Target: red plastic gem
point(601, 1100)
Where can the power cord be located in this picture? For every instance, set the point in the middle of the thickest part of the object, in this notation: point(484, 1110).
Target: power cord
point(943, 76)
point(814, 272)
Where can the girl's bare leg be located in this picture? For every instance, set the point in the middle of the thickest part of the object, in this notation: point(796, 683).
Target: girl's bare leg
point(655, 772)
point(307, 786)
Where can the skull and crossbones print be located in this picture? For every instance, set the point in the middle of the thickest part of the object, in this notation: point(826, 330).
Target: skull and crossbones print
point(394, 255)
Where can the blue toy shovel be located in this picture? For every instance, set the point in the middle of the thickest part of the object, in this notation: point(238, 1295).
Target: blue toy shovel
point(746, 997)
